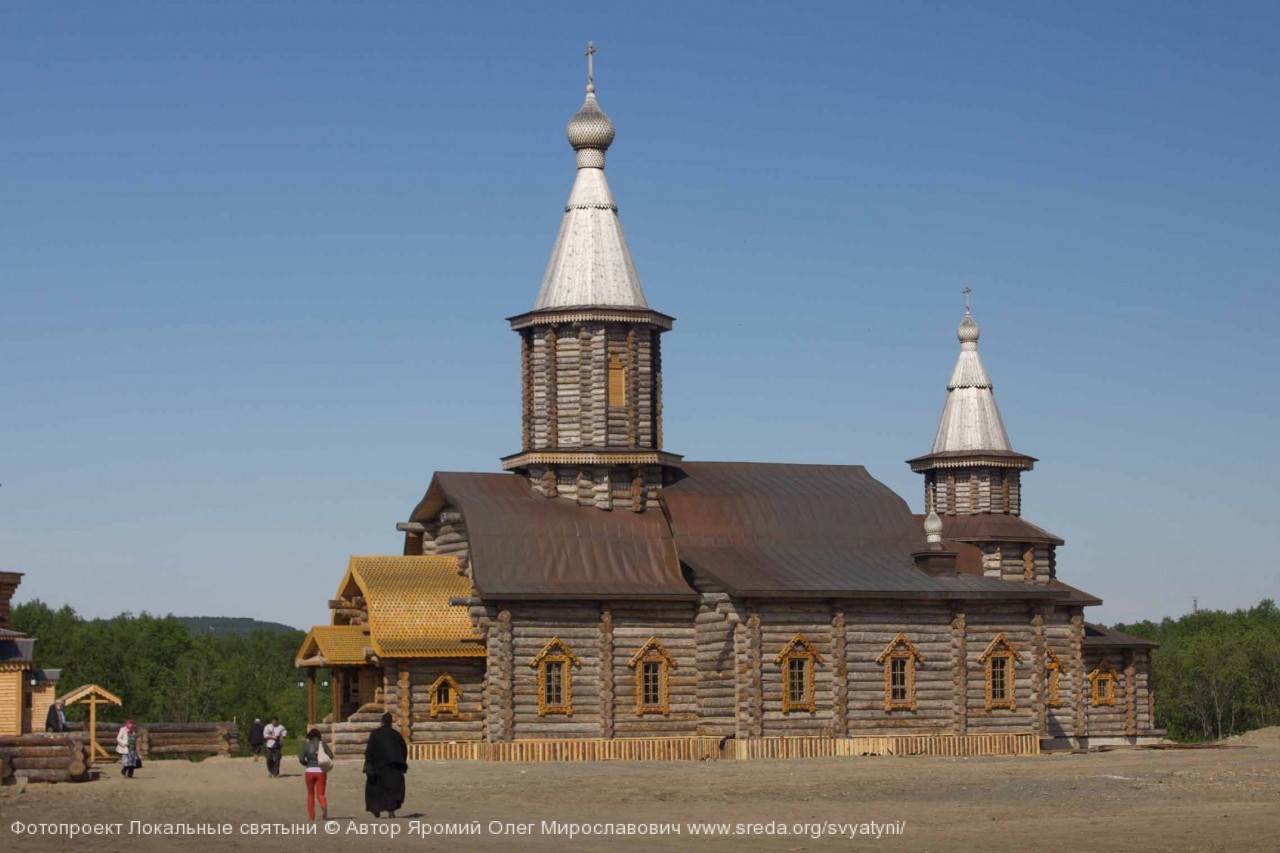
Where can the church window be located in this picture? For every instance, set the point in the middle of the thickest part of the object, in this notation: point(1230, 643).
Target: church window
point(617, 381)
point(1053, 678)
point(797, 660)
point(652, 666)
point(1103, 679)
point(899, 660)
point(444, 696)
point(999, 660)
point(555, 678)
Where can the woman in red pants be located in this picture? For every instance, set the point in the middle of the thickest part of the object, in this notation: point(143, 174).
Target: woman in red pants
point(318, 761)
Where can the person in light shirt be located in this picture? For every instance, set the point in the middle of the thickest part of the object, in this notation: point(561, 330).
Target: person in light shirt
point(275, 735)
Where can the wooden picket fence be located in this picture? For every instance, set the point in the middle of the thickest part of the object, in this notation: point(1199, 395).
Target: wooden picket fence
point(709, 748)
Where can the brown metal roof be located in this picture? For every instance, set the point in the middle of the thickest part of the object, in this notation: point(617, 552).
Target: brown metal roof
point(1102, 636)
point(526, 546)
point(993, 527)
point(764, 529)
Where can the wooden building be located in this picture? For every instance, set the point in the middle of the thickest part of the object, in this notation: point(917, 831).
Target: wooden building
point(25, 691)
point(606, 590)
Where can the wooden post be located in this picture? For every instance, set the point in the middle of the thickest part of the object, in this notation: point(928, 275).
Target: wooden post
point(93, 729)
point(840, 716)
point(311, 697)
point(1130, 694)
point(960, 665)
point(606, 671)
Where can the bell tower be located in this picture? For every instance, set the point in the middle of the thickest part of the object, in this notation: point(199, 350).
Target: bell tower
point(590, 350)
point(972, 468)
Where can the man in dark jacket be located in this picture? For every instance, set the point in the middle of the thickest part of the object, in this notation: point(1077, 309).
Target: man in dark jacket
point(386, 758)
point(256, 738)
point(57, 719)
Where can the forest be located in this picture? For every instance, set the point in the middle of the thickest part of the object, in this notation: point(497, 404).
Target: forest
point(1217, 673)
point(166, 672)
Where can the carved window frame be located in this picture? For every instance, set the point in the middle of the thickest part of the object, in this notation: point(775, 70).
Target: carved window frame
point(653, 652)
point(1053, 676)
point(455, 693)
point(799, 648)
point(1001, 649)
point(555, 652)
point(900, 648)
point(1102, 682)
point(617, 375)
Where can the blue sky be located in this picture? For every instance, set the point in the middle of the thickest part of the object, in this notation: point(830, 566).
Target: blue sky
point(255, 260)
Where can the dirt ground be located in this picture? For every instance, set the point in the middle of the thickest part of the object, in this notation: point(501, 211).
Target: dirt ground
point(1140, 800)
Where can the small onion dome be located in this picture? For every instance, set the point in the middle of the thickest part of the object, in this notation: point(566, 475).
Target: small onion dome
point(968, 331)
point(590, 132)
point(933, 527)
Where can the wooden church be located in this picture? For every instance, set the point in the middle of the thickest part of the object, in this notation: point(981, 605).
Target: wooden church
point(605, 592)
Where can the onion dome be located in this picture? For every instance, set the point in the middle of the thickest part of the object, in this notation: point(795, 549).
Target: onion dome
point(968, 332)
point(933, 527)
point(590, 132)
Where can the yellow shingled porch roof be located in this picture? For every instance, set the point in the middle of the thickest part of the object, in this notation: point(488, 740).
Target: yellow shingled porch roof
point(409, 611)
point(334, 645)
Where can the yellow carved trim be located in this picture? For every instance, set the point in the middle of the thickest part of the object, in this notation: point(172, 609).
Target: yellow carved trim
point(1103, 681)
point(798, 649)
point(617, 381)
point(653, 652)
point(455, 693)
point(1001, 649)
point(1053, 672)
point(555, 652)
point(900, 648)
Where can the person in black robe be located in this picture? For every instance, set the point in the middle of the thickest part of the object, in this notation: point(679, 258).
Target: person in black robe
point(56, 721)
point(386, 758)
point(256, 738)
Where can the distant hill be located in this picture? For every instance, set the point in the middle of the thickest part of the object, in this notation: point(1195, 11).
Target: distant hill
point(226, 626)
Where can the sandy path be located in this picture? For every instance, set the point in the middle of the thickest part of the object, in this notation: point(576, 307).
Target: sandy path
point(1204, 800)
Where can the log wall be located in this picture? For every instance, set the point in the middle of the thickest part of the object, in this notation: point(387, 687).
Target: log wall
point(468, 723)
point(869, 627)
point(983, 623)
point(11, 687)
point(566, 371)
point(1060, 636)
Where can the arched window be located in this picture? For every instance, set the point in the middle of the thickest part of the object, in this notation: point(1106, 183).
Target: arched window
point(555, 678)
point(652, 665)
point(899, 659)
point(797, 660)
point(999, 660)
point(444, 696)
point(1103, 679)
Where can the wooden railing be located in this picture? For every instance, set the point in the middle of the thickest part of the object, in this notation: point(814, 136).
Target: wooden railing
point(709, 749)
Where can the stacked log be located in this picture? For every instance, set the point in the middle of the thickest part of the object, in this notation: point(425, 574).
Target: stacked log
point(186, 740)
point(44, 758)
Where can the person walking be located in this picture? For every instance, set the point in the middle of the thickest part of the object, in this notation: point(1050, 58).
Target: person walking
point(127, 748)
point(274, 735)
point(318, 761)
point(56, 721)
point(256, 738)
point(386, 758)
